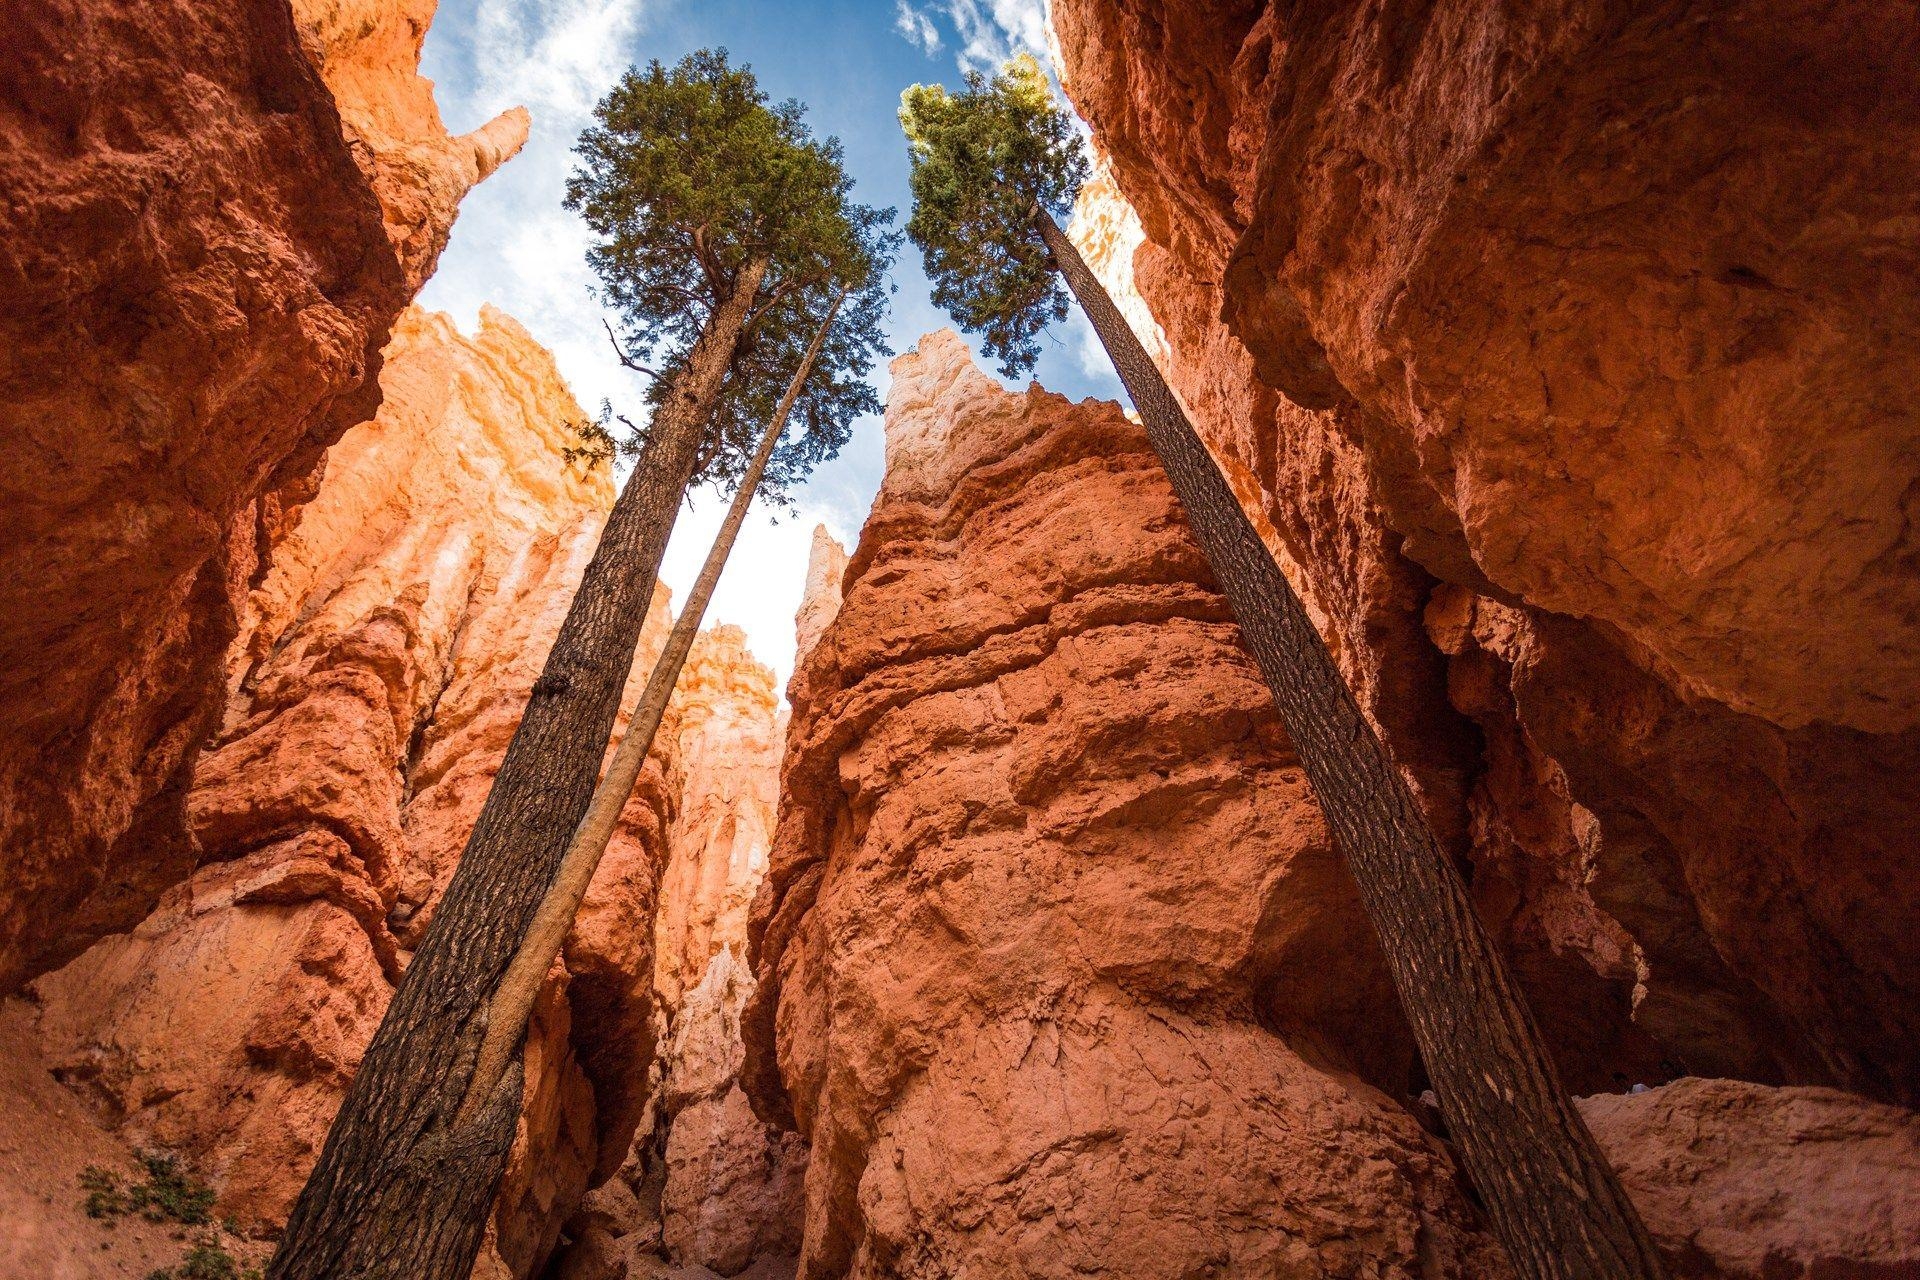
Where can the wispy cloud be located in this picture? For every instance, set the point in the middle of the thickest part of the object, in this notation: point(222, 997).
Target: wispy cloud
point(557, 54)
point(986, 32)
point(917, 27)
point(991, 31)
point(514, 245)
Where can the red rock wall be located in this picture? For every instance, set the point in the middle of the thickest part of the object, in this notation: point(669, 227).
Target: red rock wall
point(1567, 350)
point(706, 1184)
point(1057, 969)
point(386, 660)
point(215, 212)
point(1744, 1182)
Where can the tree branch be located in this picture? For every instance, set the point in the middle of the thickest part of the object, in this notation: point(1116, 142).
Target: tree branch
point(621, 352)
point(780, 291)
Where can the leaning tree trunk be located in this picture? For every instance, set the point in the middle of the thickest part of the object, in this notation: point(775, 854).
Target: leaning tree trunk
point(1555, 1202)
point(513, 1001)
point(401, 1192)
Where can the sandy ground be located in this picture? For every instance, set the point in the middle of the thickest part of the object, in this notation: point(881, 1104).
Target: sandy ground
point(47, 1136)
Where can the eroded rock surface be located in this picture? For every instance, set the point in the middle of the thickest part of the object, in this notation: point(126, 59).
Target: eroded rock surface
point(1566, 354)
point(708, 1186)
point(1047, 880)
point(215, 214)
point(385, 664)
point(1745, 1182)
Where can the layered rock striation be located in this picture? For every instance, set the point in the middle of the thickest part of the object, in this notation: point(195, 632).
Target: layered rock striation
point(215, 214)
point(1565, 353)
point(731, 1194)
point(385, 662)
point(1058, 973)
point(708, 1187)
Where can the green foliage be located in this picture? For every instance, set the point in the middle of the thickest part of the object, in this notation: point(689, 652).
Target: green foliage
point(985, 161)
point(836, 391)
point(106, 1198)
point(601, 441)
point(207, 1260)
point(688, 176)
point(166, 1195)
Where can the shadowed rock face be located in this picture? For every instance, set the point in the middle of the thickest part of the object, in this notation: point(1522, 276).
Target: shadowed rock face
point(385, 662)
point(1566, 353)
point(1746, 1182)
point(1046, 882)
point(215, 213)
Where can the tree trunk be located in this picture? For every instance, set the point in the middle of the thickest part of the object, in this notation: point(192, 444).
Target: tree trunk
point(513, 1002)
point(400, 1191)
point(1554, 1201)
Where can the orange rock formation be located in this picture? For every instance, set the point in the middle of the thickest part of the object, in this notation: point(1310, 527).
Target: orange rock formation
point(216, 212)
point(1047, 879)
point(387, 656)
point(1562, 355)
point(707, 1184)
point(1746, 1182)
point(1566, 352)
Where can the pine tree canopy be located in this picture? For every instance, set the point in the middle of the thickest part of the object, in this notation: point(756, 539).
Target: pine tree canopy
point(837, 390)
point(688, 175)
point(983, 159)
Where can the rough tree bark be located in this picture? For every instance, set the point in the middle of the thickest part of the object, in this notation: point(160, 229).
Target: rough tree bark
point(1555, 1202)
point(401, 1192)
point(513, 1000)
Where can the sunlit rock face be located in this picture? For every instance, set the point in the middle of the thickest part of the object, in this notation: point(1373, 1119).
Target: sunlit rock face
point(385, 662)
point(729, 750)
point(1052, 923)
point(820, 600)
point(732, 1189)
point(1567, 354)
point(368, 53)
point(707, 1183)
point(215, 214)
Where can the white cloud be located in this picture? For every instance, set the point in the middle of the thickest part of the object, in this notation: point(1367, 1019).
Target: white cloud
point(991, 31)
point(514, 246)
point(986, 32)
point(557, 54)
point(766, 572)
point(917, 27)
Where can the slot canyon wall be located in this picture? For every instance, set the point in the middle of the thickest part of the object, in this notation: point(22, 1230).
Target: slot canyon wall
point(215, 215)
point(383, 666)
point(706, 1184)
point(1057, 972)
point(1565, 354)
point(1050, 901)
point(1563, 357)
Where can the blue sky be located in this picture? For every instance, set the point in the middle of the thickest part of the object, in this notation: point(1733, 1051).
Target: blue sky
point(514, 246)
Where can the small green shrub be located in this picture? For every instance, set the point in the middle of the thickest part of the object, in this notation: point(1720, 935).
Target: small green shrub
point(207, 1260)
point(106, 1199)
point(168, 1194)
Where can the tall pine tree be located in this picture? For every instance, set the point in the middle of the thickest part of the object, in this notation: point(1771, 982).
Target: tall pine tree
point(994, 166)
point(718, 215)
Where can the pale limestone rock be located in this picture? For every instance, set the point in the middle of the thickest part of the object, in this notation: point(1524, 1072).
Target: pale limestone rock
point(826, 565)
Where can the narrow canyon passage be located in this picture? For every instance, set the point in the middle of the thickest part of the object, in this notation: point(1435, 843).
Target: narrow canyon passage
point(1561, 357)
